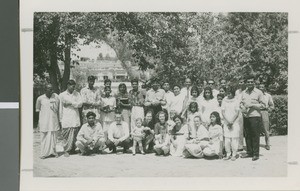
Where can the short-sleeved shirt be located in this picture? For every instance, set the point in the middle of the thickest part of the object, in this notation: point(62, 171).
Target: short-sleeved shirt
point(137, 97)
point(153, 95)
point(268, 100)
point(90, 132)
point(117, 131)
point(108, 102)
point(48, 112)
point(253, 97)
point(90, 96)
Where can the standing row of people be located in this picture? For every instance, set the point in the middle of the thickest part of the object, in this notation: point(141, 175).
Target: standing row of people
point(210, 109)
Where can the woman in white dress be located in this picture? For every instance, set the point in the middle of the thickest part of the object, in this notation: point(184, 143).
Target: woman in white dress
point(179, 135)
point(207, 106)
point(232, 128)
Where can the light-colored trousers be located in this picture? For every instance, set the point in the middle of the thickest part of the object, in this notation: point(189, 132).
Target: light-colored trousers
point(83, 147)
point(231, 145)
point(48, 143)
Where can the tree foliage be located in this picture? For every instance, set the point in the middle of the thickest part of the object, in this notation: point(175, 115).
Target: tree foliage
point(175, 45)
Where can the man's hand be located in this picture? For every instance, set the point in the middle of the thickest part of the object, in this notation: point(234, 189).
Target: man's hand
point(89, 141)
point(116, 142)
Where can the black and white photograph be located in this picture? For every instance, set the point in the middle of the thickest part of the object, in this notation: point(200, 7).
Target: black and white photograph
point(160, 94)
point(151, 95)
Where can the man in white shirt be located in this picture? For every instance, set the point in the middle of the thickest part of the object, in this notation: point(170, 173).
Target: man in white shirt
point(169, 95)
point(70, 101)
point(118, 134)
point(47, 105)
point(91, 99)
point(268, 100)
point(90, 138)
point(186, 91)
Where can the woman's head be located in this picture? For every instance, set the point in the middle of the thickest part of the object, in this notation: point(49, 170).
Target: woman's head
point(215, 118)
point(222, 90)
point(195, 91)
point(208, 93)
point(122, 88)
point(178, 120)
point(176, 89)
point(193, 107)
point(230, 92)
point(161, 116)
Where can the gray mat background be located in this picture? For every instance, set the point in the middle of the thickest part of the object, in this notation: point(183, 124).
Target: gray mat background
point(9, 84)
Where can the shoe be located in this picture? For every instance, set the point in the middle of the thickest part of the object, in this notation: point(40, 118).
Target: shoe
point(247, 156)
point(233, 158)
point(226, 158)
point(143, 152)
point(133, 154)
point(267, 147)
point(239, 150)
point(255, 158)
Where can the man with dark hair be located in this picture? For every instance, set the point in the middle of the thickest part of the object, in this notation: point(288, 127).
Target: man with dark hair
point(70, 101)
point(137, 98)
point(91, 98)
point(90, 138)
point(212, 85)
point(118, 134)
point(155, 98)
point(252, 103)
point(268, 100)
point(169, 95)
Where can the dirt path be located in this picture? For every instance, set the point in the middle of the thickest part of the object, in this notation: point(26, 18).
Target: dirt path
point(272, 163)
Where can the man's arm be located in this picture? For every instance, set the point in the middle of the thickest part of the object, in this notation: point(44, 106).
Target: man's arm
point(80, 135)
point(126, 129)
point(78, 101)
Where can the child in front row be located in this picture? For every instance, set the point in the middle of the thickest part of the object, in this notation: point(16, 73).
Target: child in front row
point(138, 135)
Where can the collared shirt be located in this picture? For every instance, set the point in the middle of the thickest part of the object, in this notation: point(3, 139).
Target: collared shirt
point(48, 112)
point(186, 92)
point(168, 96)
point(268, 101)
point(152, 95)
point(137, 97)
point(90, 96)
point(253, 97)
point(90, 132)
point(69, 115)
point(118, 131)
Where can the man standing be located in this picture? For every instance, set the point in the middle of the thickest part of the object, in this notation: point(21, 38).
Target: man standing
point(91, 99)
point(155, 98)
point(252, 104)
point(268, 101)
point(47, 105)
point(70, 101)
point(90, 138)
point(118, 134)
point(186, 91)
point(168, 95)
point(137, 98)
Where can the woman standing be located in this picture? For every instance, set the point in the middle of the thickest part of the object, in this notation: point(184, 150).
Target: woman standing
point(179, 135)
point(198, 135)
point(123, 103)
point(231, 114)
point(207, 106)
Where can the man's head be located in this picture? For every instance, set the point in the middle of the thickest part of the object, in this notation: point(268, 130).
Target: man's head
point(91, 116)
point(166, 86)
point(91, 81)
point(71, 86)
point(107, 82)
point(49, 90)
point(118, 117)
point(107, 91)
point(155, 85)
point(250, 81)
point(135, 84)
point(262, 87)
point(211, 83)
point(188, 82)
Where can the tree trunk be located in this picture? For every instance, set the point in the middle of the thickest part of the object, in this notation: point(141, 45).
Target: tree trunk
point(52, 70)
point(67, 68)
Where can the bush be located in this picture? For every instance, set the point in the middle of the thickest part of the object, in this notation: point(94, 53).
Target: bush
point(279, 116)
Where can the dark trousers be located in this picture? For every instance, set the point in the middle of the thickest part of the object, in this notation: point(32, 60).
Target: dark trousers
point(125, 144)
point(252, 128)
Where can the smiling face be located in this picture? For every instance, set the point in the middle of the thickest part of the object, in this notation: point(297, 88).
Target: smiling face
point(162, 118)
point(166, 86)
point(188, 82)
point(135, 86)
point(176, 90)
point(213, 119)
point(262, 87)
point(194, 93)
point(223, 82)
point(222, 91)
point(197, 121)
point(250, 84)
point(138, 123)
point(178, 122)
point(148, 116)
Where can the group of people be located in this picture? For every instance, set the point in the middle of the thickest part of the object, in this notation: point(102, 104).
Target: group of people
point(183, 122)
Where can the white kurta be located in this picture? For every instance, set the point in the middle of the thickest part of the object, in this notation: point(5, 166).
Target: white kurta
point(230, 107)
point(69, 115)
point(177, 103)
point(206, 108)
